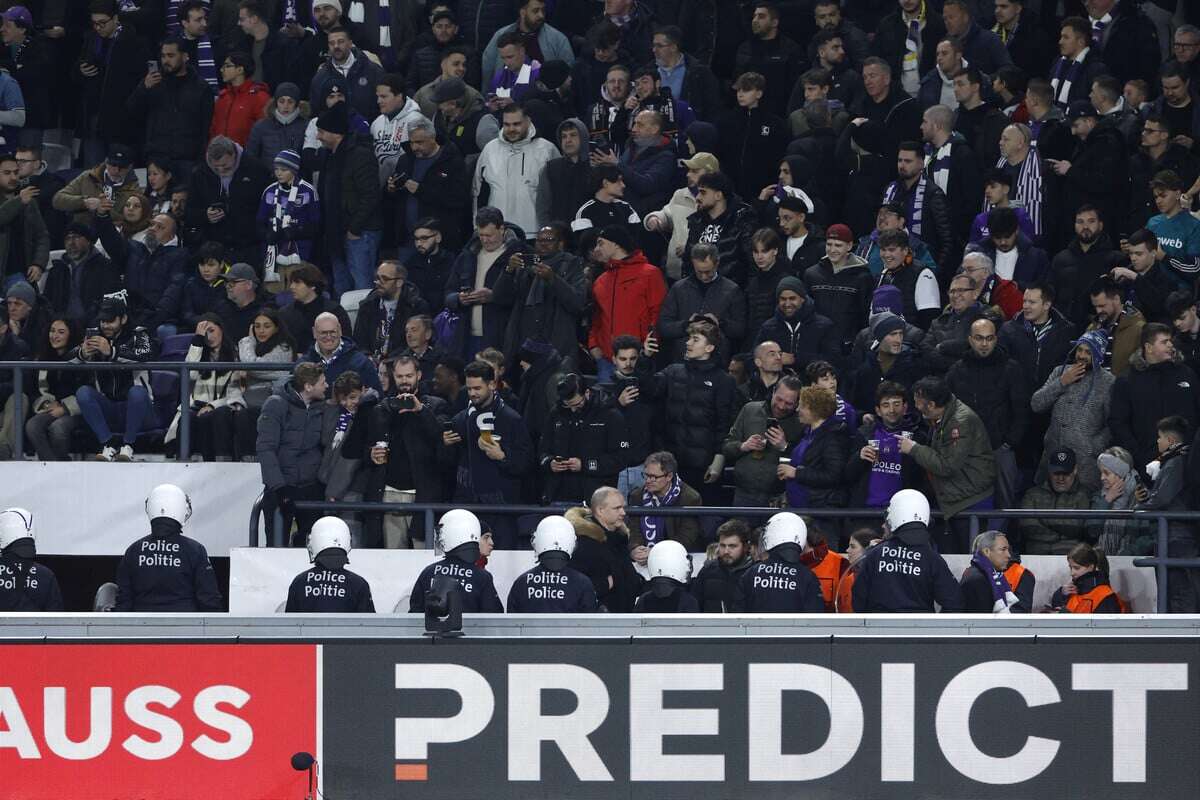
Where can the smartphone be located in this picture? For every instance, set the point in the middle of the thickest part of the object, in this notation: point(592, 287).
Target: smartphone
point(772, 423)
point(534, 260)
point(152, 65)
point(91, 332)
point(448, 426)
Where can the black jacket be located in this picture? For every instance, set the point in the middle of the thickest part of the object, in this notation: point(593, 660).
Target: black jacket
point(761, 298)
point(821, 467)
point(150, 276)
point(168, 573)
point(892, 34)
point(680, 601)
point(1099, 175)
point(904, 574)
point(1151, 289)
point(26, 585)
point(544, 591)
point(1130, 45)
point(731, 234)
point(754, 144)
point(462, 274)
point(964, 190)
point(1038, 355)
point(34, 70)
point(699, 400)
point(779, 60)
point(425, 64)
point(318, 590)
point(569, 185)
point(1093, 67)
point(906, 370)
point(550, 312)
point(641, 416)
point(936, 229)
point(444, 193)
point(414, 439)
point(721, 298)
point(976, 588)
point(603, 556)
point(122, 63)
point(1029, 46)
point(349, 190)
point(1142, 169)
point(997, 389)
point(894, 120)
point(238, 230)
point(596, 436)
point(701, 90)
point(368, 323)
point(715, 586)
point(843, 296)
point(177, 114)
point(809, 336)
point(1144, 395)
point(479, 592)
point(775, 586)
point(100, 277)
point(300, 318)
point(132, 345)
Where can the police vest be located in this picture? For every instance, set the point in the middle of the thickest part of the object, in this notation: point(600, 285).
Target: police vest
point(1087, 603)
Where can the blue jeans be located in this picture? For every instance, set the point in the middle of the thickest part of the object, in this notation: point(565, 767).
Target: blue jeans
point(100, 412)
point(354, 263)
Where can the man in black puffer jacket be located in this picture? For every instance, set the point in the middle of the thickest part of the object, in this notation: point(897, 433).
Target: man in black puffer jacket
point(715, 587)
point(997, 389)
point(583, 444)
point(177, 105)
point(796, 327)
point(723, 219)
point(699, 401)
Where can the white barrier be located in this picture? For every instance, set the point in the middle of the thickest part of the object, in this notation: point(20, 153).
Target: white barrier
point(95, 509)
point(259, 577)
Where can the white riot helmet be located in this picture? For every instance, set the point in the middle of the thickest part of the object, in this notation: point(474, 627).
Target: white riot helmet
point(553, 534)
point(168, 500)
point(328, 532)
point(15, 524)
point(669, 559)
point(907, 505)
point(784, 528)
point(458, 527)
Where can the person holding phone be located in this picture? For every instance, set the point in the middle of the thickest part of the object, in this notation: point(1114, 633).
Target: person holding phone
point(583, 444)
point(759, 439)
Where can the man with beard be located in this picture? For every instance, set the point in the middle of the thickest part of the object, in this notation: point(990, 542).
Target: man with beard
point(715, 586)
point(771, 54)
point(608, 118)
point(925, 204)
point(723, 219)
point(1089, 255)
point(763, 432)
point(583, 445)
point(1121, 324)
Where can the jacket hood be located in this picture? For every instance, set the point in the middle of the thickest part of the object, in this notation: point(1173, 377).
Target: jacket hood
point(704, 136)
point(530, 135)
point(577, 124)
point(1139, 363)
point(586, 525)
point(237, 161)
point(305, 113)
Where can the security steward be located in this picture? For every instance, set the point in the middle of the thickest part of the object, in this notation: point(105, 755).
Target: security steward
point(327, 587)
point(670, 569)
point(904, 573)
point(583, 445)
point(167, 571)
point(552, 587)
point(1089, 591)
point(781, 584)
point(459, 533)
point(25, 585)
point(827, 566)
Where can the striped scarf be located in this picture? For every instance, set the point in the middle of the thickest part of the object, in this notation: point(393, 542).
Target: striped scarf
point(915, 202)
point(1028, 189)
point(937, 164)
point(206, 66)
point(1065, 73)
point(383, 18)
point(173, 21)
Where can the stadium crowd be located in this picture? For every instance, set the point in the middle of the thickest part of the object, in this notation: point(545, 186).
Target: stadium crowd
point(638, 252)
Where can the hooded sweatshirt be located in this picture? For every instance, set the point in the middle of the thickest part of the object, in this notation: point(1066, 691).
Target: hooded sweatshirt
point(565, 184)
point(512, 170)
point(390, 133)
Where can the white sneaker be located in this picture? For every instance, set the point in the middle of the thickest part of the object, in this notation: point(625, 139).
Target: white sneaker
point(126, 454)
point(107, 454)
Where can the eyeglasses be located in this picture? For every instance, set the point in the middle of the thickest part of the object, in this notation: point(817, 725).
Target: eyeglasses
point(652, 477)
point(960, 291)
point(386, 279)
point(1185, 45)
point(426, 237)
point(100, 23)
point(328, 334)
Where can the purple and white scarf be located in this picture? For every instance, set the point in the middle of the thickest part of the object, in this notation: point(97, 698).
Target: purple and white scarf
point(654, 528)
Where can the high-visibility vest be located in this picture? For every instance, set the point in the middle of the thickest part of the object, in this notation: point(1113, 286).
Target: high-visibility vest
point(829, 572)
point(845, 593)
point(1087, 603)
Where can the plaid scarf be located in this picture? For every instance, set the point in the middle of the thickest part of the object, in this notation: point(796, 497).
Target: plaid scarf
point(654, 527)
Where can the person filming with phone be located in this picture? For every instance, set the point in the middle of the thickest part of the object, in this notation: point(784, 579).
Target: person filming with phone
point(583, 444)
point(763, 434)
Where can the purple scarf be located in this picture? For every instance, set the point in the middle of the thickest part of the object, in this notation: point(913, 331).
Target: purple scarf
point(996, 579)
point(654, 527)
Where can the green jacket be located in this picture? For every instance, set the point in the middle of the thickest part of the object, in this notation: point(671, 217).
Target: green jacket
point(757, 474)
point(33, 233)
point(958, 459)
point(1051, 536)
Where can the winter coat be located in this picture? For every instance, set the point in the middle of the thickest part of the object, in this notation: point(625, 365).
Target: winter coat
point(997, 389)
point(626, 299)
point(90, 183)
point(429, 273)
point(349, 190)
point(603, 556)
point(100, 277)
point(149, 274)
point(1130, 45)
point(958, 459)
point(554, 46)
point(425, 67)
point(716, 586)
point(32, 67)
point(1146, 394)
point(35, 238)
point(936, 230)
point(1099, 175)
point(1126, 340)
point(698, 399)
point(370, 317)
point(883, 585)
point(701, 90)
point(1029, 45)
point(289, 438)
point(649, 174)
point(462, 274)
point(779, 60)
point(259, 383)
point(892, 34)
point(549, 313)
point(511, 171)
point(808, 336)
point(1072, 272)
point(269, 136)
point(673, 221)
point(820, 469)
point(122, 63)
point(895, 119)
point(348, 358)
point(755, 141)
point(178, 112)
point(843, 295)
point(132, 346)
point(209, 387)
point(470, 133)
point(565, 184)
point(756, 475)
point(1032, 264)
point(238, 108)
point(721, 298)
point(1078, 418)
point(238, 230)
point(1051, 536)
point(360, 82)
point(1038, 355)
point(596, 436)
point(390, 134)
point(685, 530)
point(299, 319)
point(441, 194)
point(761, 300)
point(731, 234)
point(479, 478)
point(1142, 169)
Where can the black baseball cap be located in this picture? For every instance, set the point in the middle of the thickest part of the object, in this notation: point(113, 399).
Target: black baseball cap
point(1061, 461)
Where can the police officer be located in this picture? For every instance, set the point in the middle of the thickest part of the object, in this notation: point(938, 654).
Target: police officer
point(167, 571)
point(552, 587)
point(327, 587)
point(781, 584)
point(459, 534)
point(670, 569)
point(903, 573)
point(25, 585)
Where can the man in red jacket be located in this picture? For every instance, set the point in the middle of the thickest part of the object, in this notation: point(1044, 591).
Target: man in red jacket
point(241, 102)
point(626, 298)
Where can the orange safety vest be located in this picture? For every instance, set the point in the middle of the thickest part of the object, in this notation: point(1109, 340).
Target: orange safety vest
point(845, 592)
point(1087, 603)
point(1013, 575)
point(829, 572)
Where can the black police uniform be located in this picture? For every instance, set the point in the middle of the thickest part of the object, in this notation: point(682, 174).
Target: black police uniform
point(166, 572)
point(904, 574)
point(478, 591)
point(546, 591)
point(323, 590)
point(680, 601)
point(776, 586)
point(26, 585)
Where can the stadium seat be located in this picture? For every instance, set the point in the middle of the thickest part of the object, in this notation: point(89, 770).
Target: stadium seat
point(350, 301)
point(175, 347)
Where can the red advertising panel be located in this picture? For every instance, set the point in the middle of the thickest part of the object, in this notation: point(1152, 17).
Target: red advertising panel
point(156, 722)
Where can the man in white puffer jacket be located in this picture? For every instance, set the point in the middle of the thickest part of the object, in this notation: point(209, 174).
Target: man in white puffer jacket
point(511, 165)
point(389, 131)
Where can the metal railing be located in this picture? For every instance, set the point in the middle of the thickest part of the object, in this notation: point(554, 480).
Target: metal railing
point(1160, 562)
point(184, 369)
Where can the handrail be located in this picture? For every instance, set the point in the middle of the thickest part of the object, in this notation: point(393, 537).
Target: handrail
point(183, 368)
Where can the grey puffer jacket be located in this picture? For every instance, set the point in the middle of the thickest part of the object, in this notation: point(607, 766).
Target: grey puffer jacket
point(1078, 418)
point(289, 439)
